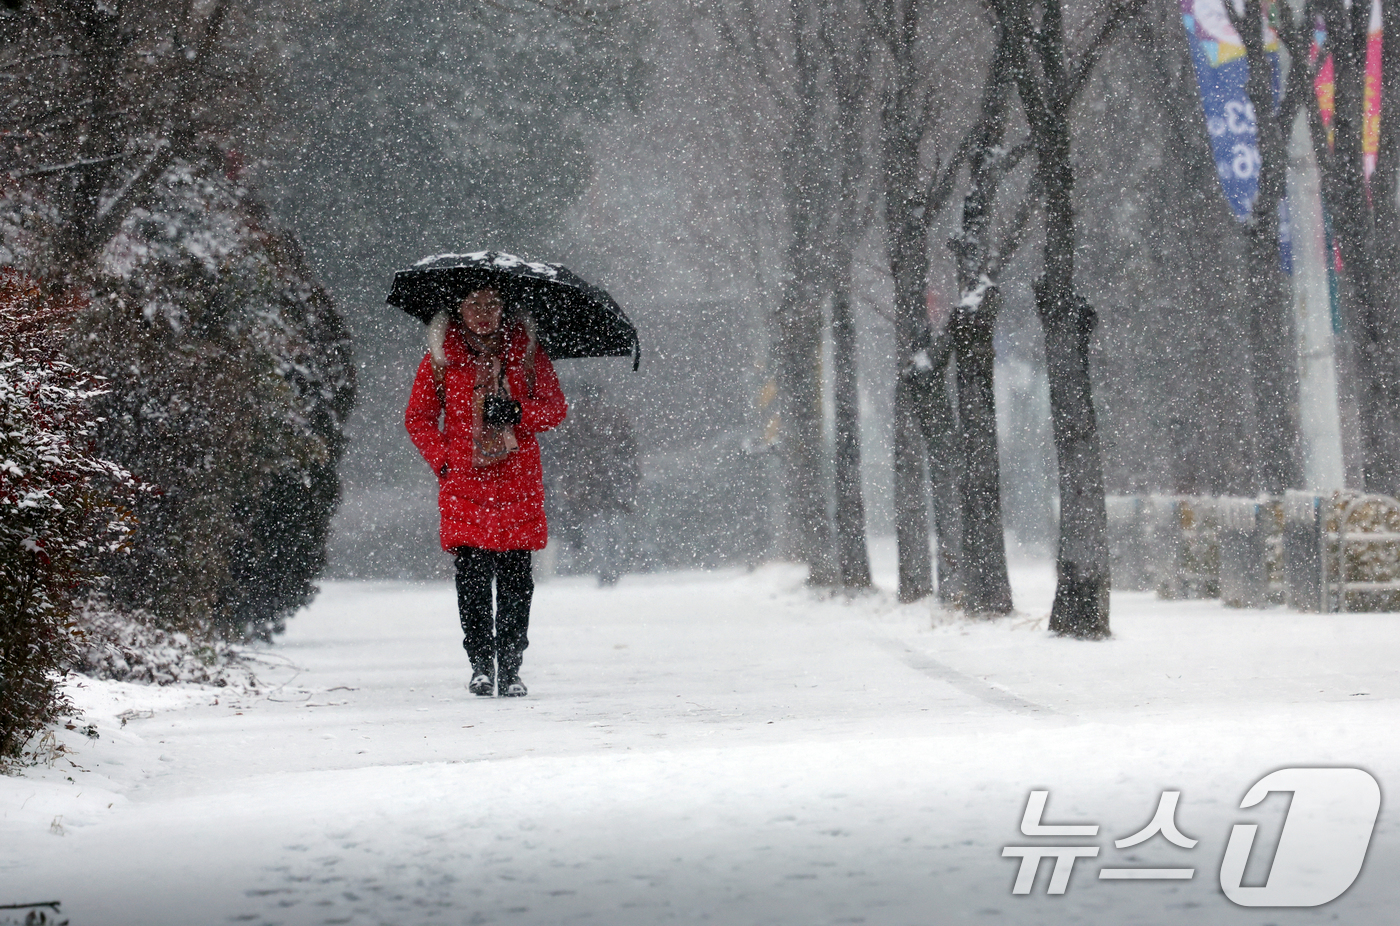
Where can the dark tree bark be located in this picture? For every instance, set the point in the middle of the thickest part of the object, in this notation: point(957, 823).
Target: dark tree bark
point(843, 43)
point(912, 198)
point(986, 584)
point(938, 425)
point(853, 557)
point(1272, 359)
point(972, 325)
point(1387, 174)
point(1081, 592)
point(1048, 81)
point(797, 352)
point(798, 323)
point(1386, 177)
point(901, 132)
point(910, 510)
point(1369, 309)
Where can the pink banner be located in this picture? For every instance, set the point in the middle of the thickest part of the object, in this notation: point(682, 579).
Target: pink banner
point(1325, 87)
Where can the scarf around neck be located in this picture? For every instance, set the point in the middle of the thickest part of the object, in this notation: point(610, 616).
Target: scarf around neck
point(488, 359)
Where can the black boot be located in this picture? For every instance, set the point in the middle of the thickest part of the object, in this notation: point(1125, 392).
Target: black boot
point(483, 681)
point(512, 686)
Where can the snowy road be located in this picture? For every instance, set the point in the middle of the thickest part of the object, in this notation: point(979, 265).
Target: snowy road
point(723, 748)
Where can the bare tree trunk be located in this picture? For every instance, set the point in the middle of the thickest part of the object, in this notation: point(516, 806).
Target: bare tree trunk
point(1387, 174)
point(986, 583)
point(1081, 607)
point(911, 398)
point(1271, 364)
point(799, 327)
point(844, 43)
point(1273, 354)
point(910, 510)
point(908, 263)
point(853, 558)
point(1082, 573)
point(908, 210)
point(97, 62)
point(946, 463)
point(106, 189)
point(1371, 316)
point(798, 352)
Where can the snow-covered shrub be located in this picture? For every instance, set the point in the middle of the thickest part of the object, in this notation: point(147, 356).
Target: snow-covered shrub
point(135, 648)
point(230, 378)
point(61, 506)
point(227, 365)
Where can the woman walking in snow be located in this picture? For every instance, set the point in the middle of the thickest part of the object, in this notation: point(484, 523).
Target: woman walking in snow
point(482, 393)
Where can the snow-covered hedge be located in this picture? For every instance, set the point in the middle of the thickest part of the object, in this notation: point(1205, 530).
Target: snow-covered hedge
point(135, 648)
point(231, 377)
point(61, 506)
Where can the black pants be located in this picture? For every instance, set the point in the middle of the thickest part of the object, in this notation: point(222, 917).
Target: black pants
point(515, 586)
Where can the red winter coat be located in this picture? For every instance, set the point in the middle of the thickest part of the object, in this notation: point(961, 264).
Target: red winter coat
point(499, 506)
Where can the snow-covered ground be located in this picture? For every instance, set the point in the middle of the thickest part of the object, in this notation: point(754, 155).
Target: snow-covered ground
point(720, 747)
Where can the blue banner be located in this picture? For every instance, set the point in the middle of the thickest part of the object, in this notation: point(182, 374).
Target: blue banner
point(1222, 73)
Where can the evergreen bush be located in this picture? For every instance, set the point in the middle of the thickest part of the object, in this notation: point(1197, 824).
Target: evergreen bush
point(231, 378)
point(61, 507)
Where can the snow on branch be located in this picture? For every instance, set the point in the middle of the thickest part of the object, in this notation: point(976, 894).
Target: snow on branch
point(60, 168)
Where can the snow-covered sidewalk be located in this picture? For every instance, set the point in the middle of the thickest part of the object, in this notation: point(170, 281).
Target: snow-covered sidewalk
point(721, 747)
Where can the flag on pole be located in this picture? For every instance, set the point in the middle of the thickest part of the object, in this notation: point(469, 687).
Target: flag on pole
point(1325, 86)
point(1222, 73)
point(1371, 127)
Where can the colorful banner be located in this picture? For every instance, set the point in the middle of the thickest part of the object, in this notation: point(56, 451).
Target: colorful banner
point(1222, 73)
point(1371, 101)
point(1326, 88)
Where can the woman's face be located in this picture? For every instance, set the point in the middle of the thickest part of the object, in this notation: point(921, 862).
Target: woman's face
point(481, 311)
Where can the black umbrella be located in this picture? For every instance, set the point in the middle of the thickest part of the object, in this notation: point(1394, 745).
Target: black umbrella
point(573, 318)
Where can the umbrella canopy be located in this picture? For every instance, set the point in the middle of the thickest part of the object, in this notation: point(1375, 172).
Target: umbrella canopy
point(573, 318)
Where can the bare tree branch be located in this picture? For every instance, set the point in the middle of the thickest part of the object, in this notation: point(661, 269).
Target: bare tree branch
point(32, 59)
point(1084, 66)
point(113, 212)
point(1028, 85)
point(752, 50)
point(930, 108)
point(179, 32)
point(60, 168)
point(1017, 231)
point(942, 183)
point(1014, 155)
point(583, 11)
point(875, 305)
point(585, 15)
point(1296, 36)
point(882, 20)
